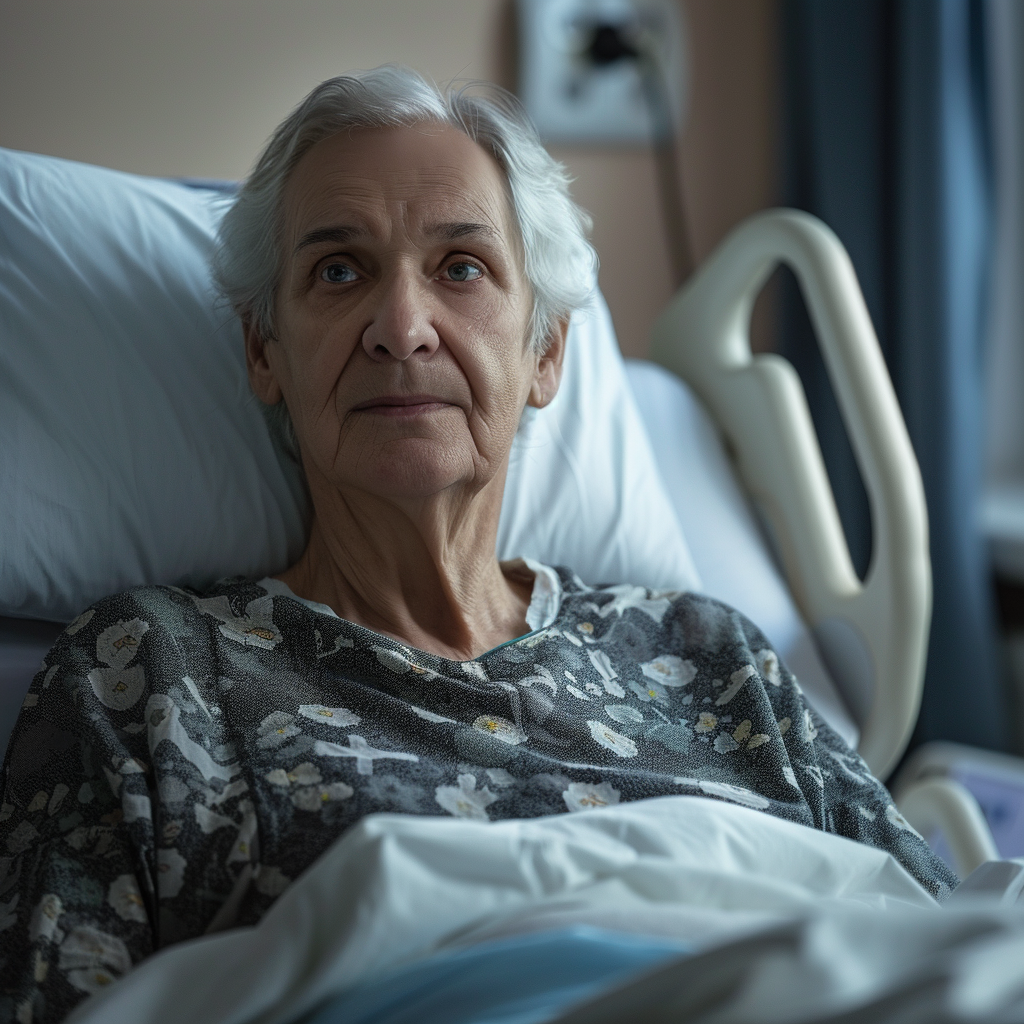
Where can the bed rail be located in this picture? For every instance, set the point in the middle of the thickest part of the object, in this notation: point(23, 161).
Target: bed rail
point(871, 635)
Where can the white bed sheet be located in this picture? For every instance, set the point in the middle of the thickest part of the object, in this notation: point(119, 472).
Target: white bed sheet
point(397, 888)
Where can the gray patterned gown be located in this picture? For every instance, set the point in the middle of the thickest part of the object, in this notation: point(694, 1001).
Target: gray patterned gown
point(180, 758)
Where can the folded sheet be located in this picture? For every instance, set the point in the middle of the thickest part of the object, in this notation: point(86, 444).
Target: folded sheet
point(397, 888)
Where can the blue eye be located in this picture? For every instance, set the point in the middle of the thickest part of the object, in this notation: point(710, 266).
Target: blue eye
point(337, 273)
point(463, 272)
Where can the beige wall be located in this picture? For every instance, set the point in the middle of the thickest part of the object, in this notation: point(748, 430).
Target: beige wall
point(193, 87)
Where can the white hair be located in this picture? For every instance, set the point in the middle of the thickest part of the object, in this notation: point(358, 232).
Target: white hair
point(559, 262)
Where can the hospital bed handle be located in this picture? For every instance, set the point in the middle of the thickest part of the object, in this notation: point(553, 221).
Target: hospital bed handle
point(872, 636)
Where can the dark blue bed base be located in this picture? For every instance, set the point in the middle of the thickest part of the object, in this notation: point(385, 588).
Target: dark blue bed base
point(23, 645)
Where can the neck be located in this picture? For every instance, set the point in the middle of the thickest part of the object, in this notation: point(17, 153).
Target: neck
point(423, 572)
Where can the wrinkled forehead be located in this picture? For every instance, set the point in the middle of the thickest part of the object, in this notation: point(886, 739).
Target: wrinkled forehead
point(410, 179)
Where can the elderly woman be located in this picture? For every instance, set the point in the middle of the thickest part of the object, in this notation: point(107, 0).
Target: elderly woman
point(405, 265)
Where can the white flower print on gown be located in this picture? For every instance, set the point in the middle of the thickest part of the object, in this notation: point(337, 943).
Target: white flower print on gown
point(464, 800)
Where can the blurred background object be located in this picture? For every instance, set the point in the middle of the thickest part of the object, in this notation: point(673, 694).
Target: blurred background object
point(613, 72)
point(583, 66)
point(1003, 509)
point(888, 138)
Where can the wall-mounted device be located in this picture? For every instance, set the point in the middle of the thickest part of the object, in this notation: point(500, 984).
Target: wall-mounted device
point(603, 72)
point(583, 63)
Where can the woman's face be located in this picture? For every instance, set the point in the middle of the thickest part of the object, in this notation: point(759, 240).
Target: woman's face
point(402, 315)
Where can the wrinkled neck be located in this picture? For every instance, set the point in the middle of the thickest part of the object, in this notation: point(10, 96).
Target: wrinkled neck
point(422, 571)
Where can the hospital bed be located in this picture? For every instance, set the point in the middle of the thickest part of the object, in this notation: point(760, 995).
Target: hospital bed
point(134, 454)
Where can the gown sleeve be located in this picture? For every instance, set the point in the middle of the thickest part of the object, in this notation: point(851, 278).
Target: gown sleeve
point(77, 885)
point(837, 785)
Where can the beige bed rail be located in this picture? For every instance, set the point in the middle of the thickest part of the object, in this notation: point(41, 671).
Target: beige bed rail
point(872, 636)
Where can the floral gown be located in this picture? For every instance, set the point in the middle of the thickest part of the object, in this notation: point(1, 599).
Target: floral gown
point(180, 758)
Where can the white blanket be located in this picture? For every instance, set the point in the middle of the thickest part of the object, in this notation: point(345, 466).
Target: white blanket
point(397, 888)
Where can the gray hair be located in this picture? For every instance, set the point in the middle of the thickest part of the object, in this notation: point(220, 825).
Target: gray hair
point(559, 262)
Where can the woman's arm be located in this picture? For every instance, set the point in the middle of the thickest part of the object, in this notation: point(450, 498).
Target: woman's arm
point(837, 786)
point(127, 820)
point(77, 890)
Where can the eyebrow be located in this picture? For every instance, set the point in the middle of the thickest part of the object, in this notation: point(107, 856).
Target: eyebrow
point(341, 234)
point(338, 233)
point(450, 232)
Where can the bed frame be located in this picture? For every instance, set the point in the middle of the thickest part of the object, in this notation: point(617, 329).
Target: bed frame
point(872, 635)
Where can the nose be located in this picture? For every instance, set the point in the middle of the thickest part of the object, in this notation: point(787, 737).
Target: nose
point(402, 324)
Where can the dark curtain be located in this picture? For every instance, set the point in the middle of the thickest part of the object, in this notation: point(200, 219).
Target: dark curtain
point(886, 139)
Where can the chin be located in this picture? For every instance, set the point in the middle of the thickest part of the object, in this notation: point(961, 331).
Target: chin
point(414, 468)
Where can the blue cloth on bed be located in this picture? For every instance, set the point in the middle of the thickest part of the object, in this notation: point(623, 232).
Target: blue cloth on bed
point(527, 979)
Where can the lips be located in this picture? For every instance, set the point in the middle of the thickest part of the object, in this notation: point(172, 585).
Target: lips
point(402, 405)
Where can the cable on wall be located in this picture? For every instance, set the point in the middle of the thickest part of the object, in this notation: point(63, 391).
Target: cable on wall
point(609, 43)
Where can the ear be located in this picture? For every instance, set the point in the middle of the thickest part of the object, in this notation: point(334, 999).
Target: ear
point(548, 375)
point(262, 378)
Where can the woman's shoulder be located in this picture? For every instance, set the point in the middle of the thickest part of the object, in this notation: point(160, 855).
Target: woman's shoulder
point(656, 602)
point(682, 616)
point(158, 605)
point(142, 626)
point(110, 661)
point(131, 601)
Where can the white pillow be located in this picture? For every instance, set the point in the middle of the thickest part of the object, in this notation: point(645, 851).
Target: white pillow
point(733, 560)
point(583, 487)
point(133, 452)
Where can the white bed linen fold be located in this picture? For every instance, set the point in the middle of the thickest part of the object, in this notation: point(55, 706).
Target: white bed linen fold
point(398, 887)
